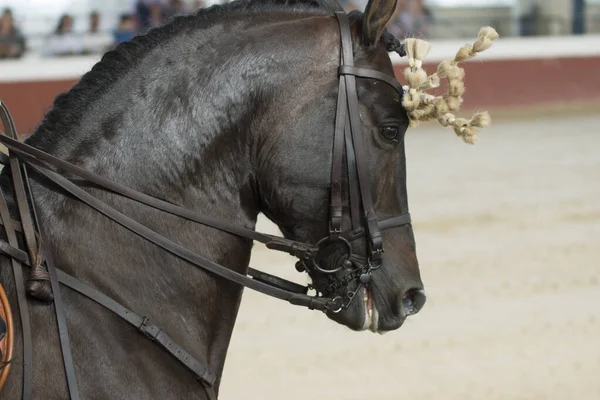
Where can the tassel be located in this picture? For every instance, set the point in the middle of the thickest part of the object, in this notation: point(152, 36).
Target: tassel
point(464, 53)
point(481, 120)
point(481, 44)
point(454, 103)
point(416, 51)
point(415, 78)
point(432, 81)
point(421, 50)
point(489, 32)
point(444, 67)
point(441, 107)
point(456, 88)
point(422, 106)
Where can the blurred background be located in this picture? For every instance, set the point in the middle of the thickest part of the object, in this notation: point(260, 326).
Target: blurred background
point(508, 230)
point(548, 49)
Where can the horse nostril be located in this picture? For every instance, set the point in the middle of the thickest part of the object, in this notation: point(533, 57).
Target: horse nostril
point(412, 301)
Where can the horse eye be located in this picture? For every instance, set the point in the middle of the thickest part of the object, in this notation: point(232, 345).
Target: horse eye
point(390, 133)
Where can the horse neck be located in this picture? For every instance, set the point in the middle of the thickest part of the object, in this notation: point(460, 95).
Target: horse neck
point(188, 136)
point(188, 142)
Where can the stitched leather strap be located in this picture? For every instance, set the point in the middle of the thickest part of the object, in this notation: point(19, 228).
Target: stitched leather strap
point(384, 224)
point(24, 149)
point(143, 325)
point(27, 388)
point(370, 220)
point(336, 163)
point(353, 187)
point(22, 304)
point(372, 74)
point(175, 249)
point(63, 332)
point(29, 225)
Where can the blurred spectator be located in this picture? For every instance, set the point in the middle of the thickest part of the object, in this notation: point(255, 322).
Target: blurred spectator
point(12, 43)
point(151, 13)
point(176, 8)
point(411, 19)
point(126, 29)
point(94, 22)
point(531, 21)
point(157, 15)
point(143, 14)
point(63, 42)
point(95, 40)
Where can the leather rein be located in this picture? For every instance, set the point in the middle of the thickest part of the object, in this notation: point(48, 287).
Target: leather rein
point(348, 142)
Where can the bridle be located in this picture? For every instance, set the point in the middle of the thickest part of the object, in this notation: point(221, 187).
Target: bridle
point(363, 224)
point(363, 220)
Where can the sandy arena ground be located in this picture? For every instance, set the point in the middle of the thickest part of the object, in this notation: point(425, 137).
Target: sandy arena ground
point(508, 237)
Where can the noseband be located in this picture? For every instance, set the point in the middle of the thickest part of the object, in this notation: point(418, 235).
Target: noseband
point(348, 142)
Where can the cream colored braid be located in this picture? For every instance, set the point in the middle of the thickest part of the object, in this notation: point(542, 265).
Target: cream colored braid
point(422, 106)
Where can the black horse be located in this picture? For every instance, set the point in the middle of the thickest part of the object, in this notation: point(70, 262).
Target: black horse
point(229, 112)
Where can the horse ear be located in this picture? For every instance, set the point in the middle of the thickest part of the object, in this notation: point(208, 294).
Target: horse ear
point(376, 16)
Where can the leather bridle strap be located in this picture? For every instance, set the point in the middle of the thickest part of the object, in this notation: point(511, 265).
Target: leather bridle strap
point(335, 208)
point(27, 387)
point(63, 332)
point(372, 74)
point(17, 269)
point(370, 218)
point(296, 249)
point(353, 187)
point(177, 250)
point(142, 324)
point(292, 247)
point(30, 226)
point(393, 222)
point(384, 224)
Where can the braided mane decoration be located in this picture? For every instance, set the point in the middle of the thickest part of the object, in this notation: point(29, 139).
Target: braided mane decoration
point(422, 106)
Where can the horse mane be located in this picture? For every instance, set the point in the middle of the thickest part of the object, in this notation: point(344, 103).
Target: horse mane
point(69, 106)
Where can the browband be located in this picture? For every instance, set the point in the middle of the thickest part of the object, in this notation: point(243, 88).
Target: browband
point(369, 73)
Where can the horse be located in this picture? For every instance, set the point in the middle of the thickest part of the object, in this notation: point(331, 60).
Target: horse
point(214, 118)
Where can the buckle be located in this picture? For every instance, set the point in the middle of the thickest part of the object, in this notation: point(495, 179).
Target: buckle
point(148, 330)
point(334, 231)
point(299, 250)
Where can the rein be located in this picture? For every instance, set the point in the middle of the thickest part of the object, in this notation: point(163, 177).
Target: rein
point(348, 142)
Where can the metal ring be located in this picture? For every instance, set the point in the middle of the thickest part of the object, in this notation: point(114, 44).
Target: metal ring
point(320, 246)
point(335, 299)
